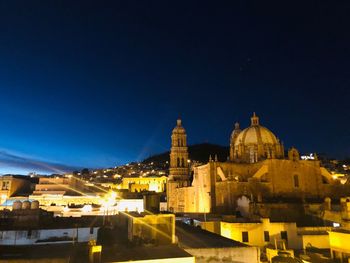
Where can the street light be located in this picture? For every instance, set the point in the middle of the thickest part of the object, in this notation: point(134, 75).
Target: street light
point(108, 201)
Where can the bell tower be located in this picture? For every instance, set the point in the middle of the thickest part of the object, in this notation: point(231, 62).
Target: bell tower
point(178, 154)
point(179, 168)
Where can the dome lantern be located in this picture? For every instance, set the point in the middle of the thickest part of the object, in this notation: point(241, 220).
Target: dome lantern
point(255, 143)
point(254, 120)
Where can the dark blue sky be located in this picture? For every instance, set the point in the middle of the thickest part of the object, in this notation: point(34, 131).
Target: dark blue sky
point(97, 84)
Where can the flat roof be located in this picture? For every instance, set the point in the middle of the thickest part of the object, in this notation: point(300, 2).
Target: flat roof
point(312, 233)
point(341, 230)
point(38, 251)
point(118, 253)
point(195, 237)
point(36, 221)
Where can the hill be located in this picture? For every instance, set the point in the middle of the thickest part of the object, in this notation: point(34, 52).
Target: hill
point(197, 152)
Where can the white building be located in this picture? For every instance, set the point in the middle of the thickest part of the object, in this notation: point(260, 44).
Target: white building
point(47, 236)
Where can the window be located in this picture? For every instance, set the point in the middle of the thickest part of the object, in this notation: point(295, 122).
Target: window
point(35, 234)
point(296, 181)
point(5, 185)
point(178, 162)
point(245, 237)
point(284, 235)
point(20, 234)
point(266, 236)
point(91, 230)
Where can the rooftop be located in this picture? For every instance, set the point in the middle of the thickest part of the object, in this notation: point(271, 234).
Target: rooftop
point(40, 219)
point(115, 253)
point(195, 237)
point(341, 230)
point(58, 251)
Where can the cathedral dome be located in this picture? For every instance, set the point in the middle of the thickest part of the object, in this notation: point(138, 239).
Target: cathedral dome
point(256, 134)
point(255, 143)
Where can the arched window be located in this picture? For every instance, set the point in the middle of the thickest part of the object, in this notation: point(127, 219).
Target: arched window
point(182, 162)
point(178, 142)
point(178, 162)
point(296, 181)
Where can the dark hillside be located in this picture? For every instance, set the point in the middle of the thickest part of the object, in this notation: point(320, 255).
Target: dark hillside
point(197, 152)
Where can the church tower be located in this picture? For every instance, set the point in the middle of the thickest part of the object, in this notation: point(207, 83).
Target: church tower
point(179, 155)
point(179, 168)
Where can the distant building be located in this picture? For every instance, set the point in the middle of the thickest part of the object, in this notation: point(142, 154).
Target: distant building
point(11, 185)
point(140, 184)
point(256, 169)
point(59, 185)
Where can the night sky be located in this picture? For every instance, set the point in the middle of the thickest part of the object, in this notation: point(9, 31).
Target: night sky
point(97, 84)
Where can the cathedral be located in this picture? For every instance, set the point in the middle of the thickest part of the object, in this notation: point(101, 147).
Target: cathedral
point(256, 168)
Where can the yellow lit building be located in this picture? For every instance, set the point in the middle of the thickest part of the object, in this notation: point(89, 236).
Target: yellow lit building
point(340, 245)
point(139, 184)
point(259, 233)
point(11, 185)
point(263, 232)
point(179, 170)
point(256, 168)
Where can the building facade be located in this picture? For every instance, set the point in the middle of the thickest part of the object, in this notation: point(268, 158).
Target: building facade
point(179, 169)
point(257, 168)
point(11, 185)
point(140, 184)
point(254, 143)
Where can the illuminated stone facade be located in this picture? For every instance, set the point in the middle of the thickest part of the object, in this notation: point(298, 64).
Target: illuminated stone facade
point(179, 170)
point(139, 184)
point(257, 168)
point(254, 143)
point(12, 185)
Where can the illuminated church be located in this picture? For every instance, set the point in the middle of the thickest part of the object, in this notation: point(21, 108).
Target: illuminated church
point(256, 168)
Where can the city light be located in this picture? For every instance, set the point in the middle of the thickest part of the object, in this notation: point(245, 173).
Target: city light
point(86, 209)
